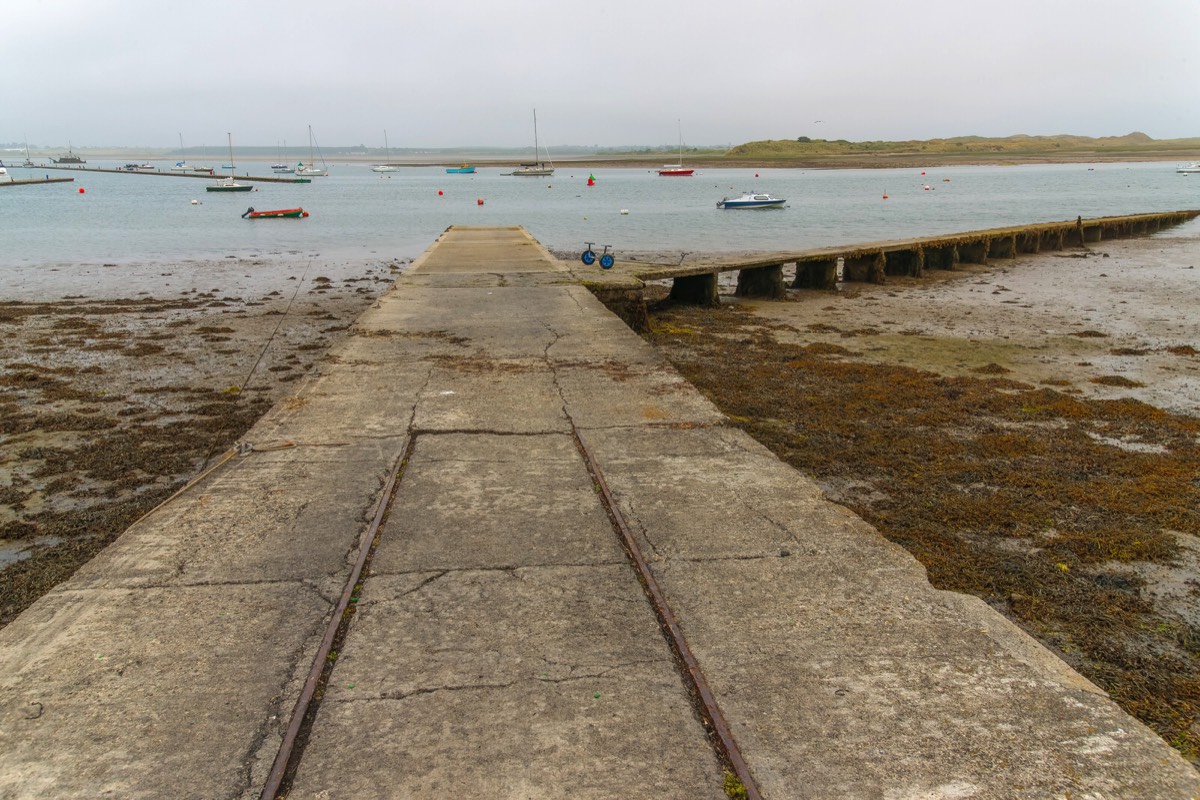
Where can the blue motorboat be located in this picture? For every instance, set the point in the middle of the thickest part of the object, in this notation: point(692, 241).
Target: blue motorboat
point(751, 200)
point(465, 169)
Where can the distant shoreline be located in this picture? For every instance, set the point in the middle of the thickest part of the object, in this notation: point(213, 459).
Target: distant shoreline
point(708, 160)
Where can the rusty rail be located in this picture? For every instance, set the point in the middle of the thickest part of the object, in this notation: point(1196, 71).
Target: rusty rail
point(710, 711)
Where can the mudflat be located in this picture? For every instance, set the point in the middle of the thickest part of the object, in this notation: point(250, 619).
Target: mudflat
point(1029, 430)
point(118, 384)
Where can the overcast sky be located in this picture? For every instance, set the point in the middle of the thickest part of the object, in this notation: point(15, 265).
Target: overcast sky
point(613, 72)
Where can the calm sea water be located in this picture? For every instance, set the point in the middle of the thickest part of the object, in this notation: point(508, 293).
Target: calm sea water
point(355, 213)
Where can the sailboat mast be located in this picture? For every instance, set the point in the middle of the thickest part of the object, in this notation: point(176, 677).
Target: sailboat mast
point(229, 135)
point(537, 154)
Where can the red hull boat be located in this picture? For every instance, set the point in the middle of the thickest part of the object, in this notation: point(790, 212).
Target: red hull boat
point(279, 213)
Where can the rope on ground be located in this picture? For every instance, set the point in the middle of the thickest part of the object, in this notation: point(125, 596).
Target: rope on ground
point(262, 354)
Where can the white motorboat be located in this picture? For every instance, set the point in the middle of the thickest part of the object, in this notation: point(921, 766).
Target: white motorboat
point(751, 200)
point(1189, 169)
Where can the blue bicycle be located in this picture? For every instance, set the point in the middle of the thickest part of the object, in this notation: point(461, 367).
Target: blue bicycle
point(589, 256)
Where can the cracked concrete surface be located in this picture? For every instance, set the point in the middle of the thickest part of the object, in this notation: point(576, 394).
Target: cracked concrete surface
point(501, 645)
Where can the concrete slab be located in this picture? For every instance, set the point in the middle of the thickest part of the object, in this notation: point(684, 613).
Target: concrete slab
point(488, 501)
point(148, 694)
point(293, 518)
point(486, 249)
point(488, 395)
point(533, 682)
point(613, 394)
point(841, 671)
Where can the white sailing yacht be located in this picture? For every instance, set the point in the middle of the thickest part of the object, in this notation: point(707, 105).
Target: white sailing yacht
point(537, 168)
point(310, 168)
point(386, 166)
point(229, 184)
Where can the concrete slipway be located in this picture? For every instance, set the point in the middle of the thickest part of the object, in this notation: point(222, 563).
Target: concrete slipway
point(502, 646)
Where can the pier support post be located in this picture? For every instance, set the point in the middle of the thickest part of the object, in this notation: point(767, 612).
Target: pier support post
point(1029, 243)
point(879, 268)
point(941, 258)
point(1003, 247)
point(627, 302)
point(820, 274)
point(1075, 236)
point(973, 253)
point(695, 290)
point(907, 262)
point(766, 282)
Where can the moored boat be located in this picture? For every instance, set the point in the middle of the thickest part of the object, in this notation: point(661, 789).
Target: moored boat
point(536, 168)
point(677, 170)
point(69, 158)
point(229, 184)
point(751, 200)
point(1189, 169)
point(278, 213)
point(465, 169)
point(311, 167)
point(386, 166)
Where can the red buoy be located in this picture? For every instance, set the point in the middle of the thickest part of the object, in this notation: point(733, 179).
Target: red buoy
point(479, 201)
point(81, 190)
point(439, 192)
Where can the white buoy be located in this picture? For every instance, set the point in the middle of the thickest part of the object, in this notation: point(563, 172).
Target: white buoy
point(195, 202)
point(625, 211)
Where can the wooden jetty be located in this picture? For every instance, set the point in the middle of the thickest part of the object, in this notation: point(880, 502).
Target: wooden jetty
point(168, 174)
point(762, 275)
point(33, 181)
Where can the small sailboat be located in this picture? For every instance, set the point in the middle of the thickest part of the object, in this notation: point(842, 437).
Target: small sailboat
point(386, 166)
point(537, 168)
point(310, 168)
point(229, 184)
point(279, 167)
point(28, 163)
point(676, 170)
point(181, 166)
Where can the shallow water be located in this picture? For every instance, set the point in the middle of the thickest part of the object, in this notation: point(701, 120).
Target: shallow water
point(358, 214)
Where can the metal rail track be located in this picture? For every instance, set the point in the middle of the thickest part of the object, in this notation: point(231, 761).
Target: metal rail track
point(304, 712)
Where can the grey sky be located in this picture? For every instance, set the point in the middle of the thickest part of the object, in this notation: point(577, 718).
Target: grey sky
point(616, 72)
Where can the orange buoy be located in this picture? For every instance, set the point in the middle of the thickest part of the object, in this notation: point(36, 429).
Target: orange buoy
point(885, 196)
point(305, 214)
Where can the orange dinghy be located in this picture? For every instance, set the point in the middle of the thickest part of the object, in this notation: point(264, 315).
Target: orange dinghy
point(279, 213)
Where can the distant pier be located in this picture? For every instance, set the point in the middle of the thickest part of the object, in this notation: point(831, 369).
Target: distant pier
point(32, 181)
point(170, 174)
